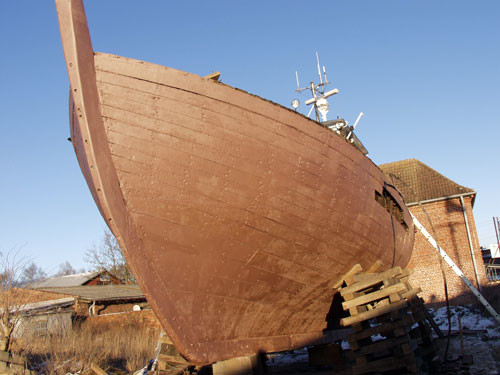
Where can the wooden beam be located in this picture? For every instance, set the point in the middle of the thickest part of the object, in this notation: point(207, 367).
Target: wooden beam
point(373, 313)
point(97, 369)
point(370, 297)
point(348, 276)
point(366, 283)
point(214, 76)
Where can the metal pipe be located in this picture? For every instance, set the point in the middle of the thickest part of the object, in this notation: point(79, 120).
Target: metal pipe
point(441, 199)
point(454, 267)
point(495, 224)
point(470, 242)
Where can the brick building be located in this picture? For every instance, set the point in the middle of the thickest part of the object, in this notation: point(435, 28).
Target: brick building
point(449, 206)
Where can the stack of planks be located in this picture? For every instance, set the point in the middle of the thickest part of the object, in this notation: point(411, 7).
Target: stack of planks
point(383, 306)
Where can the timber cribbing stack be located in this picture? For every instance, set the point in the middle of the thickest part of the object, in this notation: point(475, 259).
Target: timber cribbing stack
point(385, 305)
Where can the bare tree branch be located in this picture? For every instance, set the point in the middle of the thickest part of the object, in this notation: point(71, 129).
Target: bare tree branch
point(32, 274)
point(65, 269)
point(107, 255)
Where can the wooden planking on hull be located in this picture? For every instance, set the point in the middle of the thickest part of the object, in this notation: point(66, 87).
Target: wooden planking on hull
point(155, 111)
point(258, 199)
point(323, 220)
point(200, 172)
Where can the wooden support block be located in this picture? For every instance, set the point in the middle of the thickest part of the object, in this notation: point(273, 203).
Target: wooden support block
point(406, 348)
point(400, 331)
point(377, 278)
point(354, 344)
point(361, 360)
point(214, 76)
point(394, 298)
point(385, 309)
point(388, 297)
point(169, 354)
point(382, 329)
point(17, 359)
point(375, 296)
point(383, 345)
point(361, 277)
point(251, 365)
point(324, 355)
point(391, 281)
point(348, 277)
point(376, 267)
point(405, 274)
point(411, 293)
point(97, 369)
point(4, 356)
point(372, 271)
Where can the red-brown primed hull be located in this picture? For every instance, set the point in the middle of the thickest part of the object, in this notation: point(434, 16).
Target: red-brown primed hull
point(237, 216)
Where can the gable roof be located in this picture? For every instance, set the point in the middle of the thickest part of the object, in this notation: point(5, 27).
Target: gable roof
point(100, 292)
point(67, 281)
point(419, 182)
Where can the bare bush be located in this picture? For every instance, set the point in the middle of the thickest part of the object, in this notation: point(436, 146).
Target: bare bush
point(12, 302)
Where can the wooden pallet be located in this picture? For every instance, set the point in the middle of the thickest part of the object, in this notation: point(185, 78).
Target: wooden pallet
point(383, 307)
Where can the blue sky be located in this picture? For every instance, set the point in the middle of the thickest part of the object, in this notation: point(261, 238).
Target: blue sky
point(425, 73)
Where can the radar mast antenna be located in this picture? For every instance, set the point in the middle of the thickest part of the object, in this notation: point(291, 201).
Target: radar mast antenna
point(319, 96)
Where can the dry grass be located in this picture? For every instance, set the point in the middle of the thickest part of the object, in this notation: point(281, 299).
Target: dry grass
point(128, 346)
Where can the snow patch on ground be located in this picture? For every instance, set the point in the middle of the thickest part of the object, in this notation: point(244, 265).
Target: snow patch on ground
point(470, 316)
point(481, 340)
point(483, 345)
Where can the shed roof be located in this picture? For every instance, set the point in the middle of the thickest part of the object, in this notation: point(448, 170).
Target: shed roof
point(101, 292)
point(67, 280)
point(419, 182)
point(41, 306)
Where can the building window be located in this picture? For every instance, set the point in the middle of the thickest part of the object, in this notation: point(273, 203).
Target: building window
point(40, 328)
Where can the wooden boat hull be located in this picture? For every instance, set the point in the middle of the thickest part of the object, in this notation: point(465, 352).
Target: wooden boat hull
point(238, 217)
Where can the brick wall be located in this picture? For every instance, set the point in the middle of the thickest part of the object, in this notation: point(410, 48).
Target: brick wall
point(449, 223)
point(143, 318)
point(97, 280)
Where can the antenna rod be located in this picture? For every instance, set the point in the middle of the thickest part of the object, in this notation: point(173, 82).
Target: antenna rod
point(357, 120)
point(495, 224)
point(297, 76)
point(319, 69)
point(354, 126)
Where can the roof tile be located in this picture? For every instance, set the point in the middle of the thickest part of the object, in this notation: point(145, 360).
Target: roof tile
point(419, 182)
